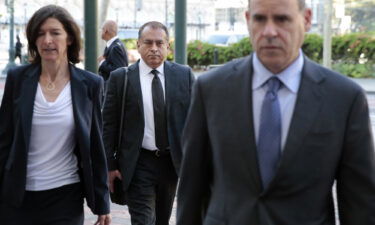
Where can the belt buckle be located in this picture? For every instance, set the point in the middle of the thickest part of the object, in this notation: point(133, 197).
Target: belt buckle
point(157, 153)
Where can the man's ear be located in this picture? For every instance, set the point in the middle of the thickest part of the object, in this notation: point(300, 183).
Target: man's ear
point(307, 15)
point(247, 15)
point(168, 45)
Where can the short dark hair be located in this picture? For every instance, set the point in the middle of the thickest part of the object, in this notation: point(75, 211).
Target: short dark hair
point(154, 25)
point(301, 4)
point(70, 26)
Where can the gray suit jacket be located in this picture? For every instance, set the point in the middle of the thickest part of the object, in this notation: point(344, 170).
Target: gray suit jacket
point(178, 84)
point(16, 114)
point(329, 139)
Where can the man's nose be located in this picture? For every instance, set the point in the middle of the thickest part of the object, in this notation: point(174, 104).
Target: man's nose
point(154, 46)
point(270, 30)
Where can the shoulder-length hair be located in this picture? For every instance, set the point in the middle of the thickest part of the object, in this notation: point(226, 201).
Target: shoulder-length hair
point(70, 26)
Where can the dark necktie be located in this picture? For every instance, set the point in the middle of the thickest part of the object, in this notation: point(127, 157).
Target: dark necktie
point(269, 140)
point(105, 50)
point(160, 120)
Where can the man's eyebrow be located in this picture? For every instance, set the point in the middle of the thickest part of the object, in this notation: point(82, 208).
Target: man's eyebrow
point(257, 15)
point(281, 15)
point(156, 40)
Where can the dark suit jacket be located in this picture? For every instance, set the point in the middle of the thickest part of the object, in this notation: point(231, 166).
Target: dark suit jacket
point(115, 57)
point(178, 83)
point(329, 139)
point(15, 126)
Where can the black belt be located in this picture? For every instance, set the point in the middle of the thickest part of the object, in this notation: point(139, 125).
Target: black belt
point(158, 153)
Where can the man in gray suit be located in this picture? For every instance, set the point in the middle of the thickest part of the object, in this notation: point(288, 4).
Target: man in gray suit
point(157, 101)
point(267, 135)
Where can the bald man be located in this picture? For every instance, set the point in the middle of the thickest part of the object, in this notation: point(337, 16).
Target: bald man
point(115, 55)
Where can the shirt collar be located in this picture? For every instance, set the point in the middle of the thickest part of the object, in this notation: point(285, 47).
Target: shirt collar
point(145, 69)
point(290, 76)
point(110, 41)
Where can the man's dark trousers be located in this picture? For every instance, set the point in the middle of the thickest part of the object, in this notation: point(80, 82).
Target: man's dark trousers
point(153, 187)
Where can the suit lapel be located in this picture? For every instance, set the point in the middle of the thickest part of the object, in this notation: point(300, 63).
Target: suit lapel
point(27, 98)
point(135, 84)
point(242, 77)
point(108, 49)
point(305, 113)
point(170, 83)
point(82, 106)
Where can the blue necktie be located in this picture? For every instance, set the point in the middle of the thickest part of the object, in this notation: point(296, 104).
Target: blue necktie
point(269, 140)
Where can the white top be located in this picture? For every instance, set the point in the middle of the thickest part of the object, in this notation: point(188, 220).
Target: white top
point(146, 85)
point(51, 161)
point(290, 78)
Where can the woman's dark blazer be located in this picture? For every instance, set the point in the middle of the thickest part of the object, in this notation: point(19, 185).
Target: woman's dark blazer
point(16, 114)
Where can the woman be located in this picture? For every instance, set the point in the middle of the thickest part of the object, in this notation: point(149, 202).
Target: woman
point(51, 150)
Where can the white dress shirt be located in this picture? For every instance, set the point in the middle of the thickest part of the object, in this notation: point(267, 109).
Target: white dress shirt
point(146, 84)
point(290, 78)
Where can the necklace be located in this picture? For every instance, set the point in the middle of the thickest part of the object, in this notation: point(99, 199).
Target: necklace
point(50, 86)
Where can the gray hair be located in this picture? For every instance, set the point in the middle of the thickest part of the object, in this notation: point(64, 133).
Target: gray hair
point(301, 4)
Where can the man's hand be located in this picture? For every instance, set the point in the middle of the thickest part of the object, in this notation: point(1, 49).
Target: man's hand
point(104, 220)
point(100, 58)
point(112, 175)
